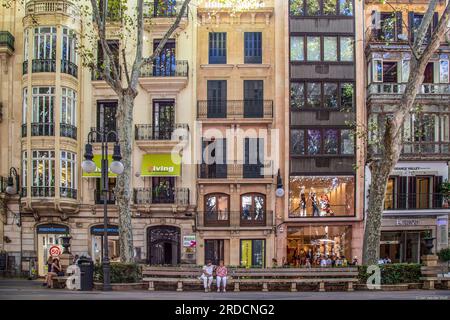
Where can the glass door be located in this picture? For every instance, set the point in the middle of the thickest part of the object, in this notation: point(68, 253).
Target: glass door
point(423, 192)
point(412, 247)
point(163, 119)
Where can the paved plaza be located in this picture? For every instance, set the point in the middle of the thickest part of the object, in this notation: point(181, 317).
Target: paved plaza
point(17, 289)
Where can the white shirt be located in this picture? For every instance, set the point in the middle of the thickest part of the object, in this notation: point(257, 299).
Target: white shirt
point(208, 269)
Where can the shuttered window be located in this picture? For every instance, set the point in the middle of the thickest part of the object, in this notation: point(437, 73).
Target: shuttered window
point(217, 47)
point(252, 47)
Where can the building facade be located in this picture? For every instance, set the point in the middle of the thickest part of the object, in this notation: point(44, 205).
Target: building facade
point(52, 102)
point(415, 206)
point(324, 203)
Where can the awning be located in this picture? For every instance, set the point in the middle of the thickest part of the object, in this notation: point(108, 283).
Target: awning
point(161, 165)
point(98, 171)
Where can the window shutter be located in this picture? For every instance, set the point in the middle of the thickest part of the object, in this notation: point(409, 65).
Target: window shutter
point(435, 20)
point(401, 193)
point(410, 26)
point(412, 192)
point(437, 196)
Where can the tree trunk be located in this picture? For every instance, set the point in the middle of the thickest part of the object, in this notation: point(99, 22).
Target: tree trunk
point(122, 190)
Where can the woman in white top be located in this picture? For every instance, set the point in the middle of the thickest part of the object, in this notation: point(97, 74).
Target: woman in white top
point(207, 275)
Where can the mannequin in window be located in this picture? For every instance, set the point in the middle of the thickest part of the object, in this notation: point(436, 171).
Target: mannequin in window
point(302, 203)
point(314, 204)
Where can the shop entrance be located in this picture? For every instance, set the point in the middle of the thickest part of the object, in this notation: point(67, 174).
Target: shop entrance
point(97, 243)
point(214, 250)
point(48, 236)
point(163, 243)
point(402, 246)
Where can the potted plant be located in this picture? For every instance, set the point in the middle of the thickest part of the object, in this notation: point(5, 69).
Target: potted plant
point(65, 243)
point(444, 256)
point(445, 191)
point(428, 242)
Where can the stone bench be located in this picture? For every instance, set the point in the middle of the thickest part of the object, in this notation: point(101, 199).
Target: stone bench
point(59, 282)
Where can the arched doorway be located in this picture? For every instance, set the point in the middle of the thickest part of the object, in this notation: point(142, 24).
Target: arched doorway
point(163, 244)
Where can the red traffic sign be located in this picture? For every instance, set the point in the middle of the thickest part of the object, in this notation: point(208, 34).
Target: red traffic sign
point(54, 251)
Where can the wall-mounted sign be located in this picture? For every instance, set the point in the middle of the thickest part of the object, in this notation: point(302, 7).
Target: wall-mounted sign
point(98, 230)
point(407, 222)
point(54, 251)
point(52, 228)
point(189, 241)
point(161, 165)
point(98, 170)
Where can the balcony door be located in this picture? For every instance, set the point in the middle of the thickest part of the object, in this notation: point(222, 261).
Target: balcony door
point(164, 64)
point(423, 192)
point(217, 98)
point(163, 189)
point(163, 119)
point(253, 98)
point(253, 158)
point(106, 116)
point(214, 155)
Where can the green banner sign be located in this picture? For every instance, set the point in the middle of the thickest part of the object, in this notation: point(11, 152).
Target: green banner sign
point(98, 171)
point(161, 165)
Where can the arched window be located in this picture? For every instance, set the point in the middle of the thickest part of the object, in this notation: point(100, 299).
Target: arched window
point(217, 208)
point(253, 209)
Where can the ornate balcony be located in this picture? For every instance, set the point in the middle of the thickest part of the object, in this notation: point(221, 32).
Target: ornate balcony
point(432, 92)
point(68, 130)
point(235, 110)
point(42, 129)
point(6, 43)
point(170, 76)
point(43, 65)
point(178, 196)
point(163, 9)
point(68, 193)
point(235, 171)
point(245, 219)
point(51, 7)
point(69, 68)
point(164, 138)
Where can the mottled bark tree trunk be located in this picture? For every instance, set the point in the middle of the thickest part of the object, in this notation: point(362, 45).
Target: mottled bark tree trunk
point(123, 186)
point(382, 164)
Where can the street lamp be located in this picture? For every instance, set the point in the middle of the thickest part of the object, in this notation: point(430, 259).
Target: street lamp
point(116, 167)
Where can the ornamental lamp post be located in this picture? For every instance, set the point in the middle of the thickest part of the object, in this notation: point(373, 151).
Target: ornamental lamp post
point(116, 167)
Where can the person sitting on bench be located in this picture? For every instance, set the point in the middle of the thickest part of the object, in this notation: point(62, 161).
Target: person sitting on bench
point(207, 275)
point(56, 270)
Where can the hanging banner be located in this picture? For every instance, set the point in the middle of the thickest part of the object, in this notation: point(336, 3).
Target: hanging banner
point(246, 253)
point(98, 170)
point(161, 165)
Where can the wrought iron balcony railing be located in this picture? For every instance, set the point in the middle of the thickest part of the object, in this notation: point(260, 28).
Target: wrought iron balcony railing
point(179, 196)
point(43, 65)
point(96, 137)
point(7, 40)
point(68, 192)
point(408, 201)
point(152, 132)
point(235, 109)
point(69, 68)
point(68, 130)
point(163, 9)
point(168, 68)
point(235, 171)
point(243, 218)
point(219, 218)
point(42, 192)
point(42, 129)
point(100, 196)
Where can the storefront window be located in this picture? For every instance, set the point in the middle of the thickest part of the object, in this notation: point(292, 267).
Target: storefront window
point(321, 196)
point(315, 242)
point(405, 246)
point(253, 253)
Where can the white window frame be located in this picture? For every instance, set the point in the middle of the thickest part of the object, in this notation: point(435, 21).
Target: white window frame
point(24, 169)
point(68, 160)
point(69, 39)
point(43, 103)
point(69, 101)
point(24, 105)
point(44, 166)
point(44, 37)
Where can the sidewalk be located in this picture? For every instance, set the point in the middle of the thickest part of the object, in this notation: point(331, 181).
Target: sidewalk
point(18, 289)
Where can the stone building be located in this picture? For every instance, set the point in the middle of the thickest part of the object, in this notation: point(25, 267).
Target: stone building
point(50, 104)
point(415, 206)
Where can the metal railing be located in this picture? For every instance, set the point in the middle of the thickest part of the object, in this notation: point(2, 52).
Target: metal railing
point(179, 196)
point(152, 132)
point(404, 201)
point(399, 88)
point(100, 196)
point(216, 218)
point(68, 192)
point(43, 65)
point(235, 171)
point(253, 218)
point(69, 67)
point(24, 130)
point(68, 130)
point(163, 9)
point(51, 6)
point(3, 183)
point(42, 129)
point(235, 109)
point(25, 67)
point(426, 147)
point(7, 40)
point(42, 191)
point(97, 138)
point(226, 218)
point(168, 68)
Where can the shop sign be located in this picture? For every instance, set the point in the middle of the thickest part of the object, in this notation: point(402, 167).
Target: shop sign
point(407, 222)
point(161, 165)
point(98, 170)
point(99, 230)
point(189, 241)
point(52, 229)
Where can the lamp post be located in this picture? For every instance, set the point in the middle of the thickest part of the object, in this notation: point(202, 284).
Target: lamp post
point(116, 167)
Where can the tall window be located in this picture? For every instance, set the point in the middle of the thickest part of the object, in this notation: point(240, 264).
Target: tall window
point(253, 158)
point(252, 47)
point(253, 209)
point(68, 107)
point(42, 111)
point(45, 43)
point(24, 173)
point(43, 171)
point(253, 253)
point(106, 115)
point(68, 179)
point(24, 105)
point(297, 49)
point(322, 141)
point(25, 45)
point(346, 48)
point(68, 52)
point(217, 208)
point(313, 48)
point(217, 47)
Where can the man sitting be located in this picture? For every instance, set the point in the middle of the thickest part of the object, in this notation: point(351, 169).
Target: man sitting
point(207, 275)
